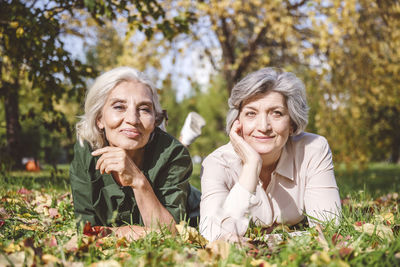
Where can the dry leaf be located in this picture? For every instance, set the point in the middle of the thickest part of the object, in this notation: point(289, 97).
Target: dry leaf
point(320, 258)
point(48, 258)
point(107, 263)
point(11, 248)
point(190, 234)
point(53, 213)
point(260, 262)
point(17, 259)
point(380, 230)
point(220, 247)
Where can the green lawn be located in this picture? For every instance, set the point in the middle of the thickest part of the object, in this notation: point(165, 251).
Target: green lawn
point(37, 221)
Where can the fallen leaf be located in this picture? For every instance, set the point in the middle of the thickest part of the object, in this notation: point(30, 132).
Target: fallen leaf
point(260, 262)
point(28, 227)
point(107, 263)
point(48, 258)
point(344, 252)
point(220, 247)
point(24, 191)
point(11, 248)
point(53, 213)
point(190, 234)
point(16, 259)
point(380, 230)
point(2, 222)
point(320, 258)
point(96, 230)
point(51, 242)
point(336, 237)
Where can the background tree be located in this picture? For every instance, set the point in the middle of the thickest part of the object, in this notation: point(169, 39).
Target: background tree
point(32, 48)
point(360, 74)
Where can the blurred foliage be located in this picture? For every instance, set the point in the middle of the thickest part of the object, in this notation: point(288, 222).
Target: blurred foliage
point(345, 51)
point(359, 79)
point(34, 64)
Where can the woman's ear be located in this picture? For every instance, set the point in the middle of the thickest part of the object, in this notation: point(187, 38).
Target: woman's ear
point(99, 123)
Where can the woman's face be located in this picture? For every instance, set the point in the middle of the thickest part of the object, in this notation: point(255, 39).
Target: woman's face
point(266, 123)
point(128, 116)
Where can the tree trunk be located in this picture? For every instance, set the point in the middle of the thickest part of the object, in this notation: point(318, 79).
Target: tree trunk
point(13, 127)
point(394, 157)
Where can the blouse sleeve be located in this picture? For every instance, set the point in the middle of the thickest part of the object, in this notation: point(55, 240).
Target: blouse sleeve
point(224, 208)
point(172, 190)
point(321, 197)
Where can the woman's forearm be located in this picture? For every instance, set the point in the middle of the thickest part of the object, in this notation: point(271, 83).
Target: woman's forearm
point(249, 177)
point(154, 214)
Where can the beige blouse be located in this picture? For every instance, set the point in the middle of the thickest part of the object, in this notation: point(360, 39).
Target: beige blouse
point(303, 183)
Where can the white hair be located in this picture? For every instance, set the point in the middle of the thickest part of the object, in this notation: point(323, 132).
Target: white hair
point(86, 128)
point(271, 79)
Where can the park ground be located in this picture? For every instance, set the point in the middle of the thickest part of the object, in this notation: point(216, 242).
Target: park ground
point(37, 222)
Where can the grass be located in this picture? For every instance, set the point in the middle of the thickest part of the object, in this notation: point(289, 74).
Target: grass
point(37, 221)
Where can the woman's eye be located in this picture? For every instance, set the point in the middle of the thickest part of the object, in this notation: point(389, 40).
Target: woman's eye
point(277, 113)
point(118, 107)
point(250, 114)
point(145, 109)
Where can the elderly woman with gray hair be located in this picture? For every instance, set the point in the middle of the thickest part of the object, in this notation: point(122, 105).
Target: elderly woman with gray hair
point(271, 172)
point(127, 173)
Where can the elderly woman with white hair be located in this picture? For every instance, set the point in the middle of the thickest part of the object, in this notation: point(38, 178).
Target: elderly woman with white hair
point(128, 174)
point(271, 172)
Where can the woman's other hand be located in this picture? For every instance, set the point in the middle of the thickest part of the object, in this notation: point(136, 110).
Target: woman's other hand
point(115, 160)
point(252, 161)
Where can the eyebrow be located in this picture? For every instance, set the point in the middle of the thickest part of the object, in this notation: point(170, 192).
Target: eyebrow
point(115, 100)
point(254, 108)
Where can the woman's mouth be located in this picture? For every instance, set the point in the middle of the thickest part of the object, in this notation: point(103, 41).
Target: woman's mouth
point(263, 138)
point(130, 133)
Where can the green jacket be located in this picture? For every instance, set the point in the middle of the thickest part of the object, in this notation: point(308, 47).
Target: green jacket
point(101, 201)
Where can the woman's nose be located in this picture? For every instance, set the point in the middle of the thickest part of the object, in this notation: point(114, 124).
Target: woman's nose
point(132, 116)
point(264, 123)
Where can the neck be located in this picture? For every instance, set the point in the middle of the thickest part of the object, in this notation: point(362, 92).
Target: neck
point(268, 166)
point(270, 161)
point(137, 156)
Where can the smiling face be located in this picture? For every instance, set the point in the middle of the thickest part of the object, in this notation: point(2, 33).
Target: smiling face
point(128, 116)
point(266, 124)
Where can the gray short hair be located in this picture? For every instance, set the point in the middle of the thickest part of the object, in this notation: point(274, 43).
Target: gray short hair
point(86, 128)
point(271, 79)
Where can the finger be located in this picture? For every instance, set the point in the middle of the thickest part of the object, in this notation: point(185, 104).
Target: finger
point(111, 164)
point(118, 155)
point(105, 149)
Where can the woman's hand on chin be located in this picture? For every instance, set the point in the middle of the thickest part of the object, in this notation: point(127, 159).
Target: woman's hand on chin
point(116, 161)
point(247, 154)
point(251, 160)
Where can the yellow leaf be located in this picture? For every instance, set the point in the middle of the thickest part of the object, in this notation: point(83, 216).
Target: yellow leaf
point(48, 258)
point(220, 247)
point(260, 262)
point(380, 230)
point(19, 32)
point(26, 227)
point(388, 216)
point(12, 248)
point(190, 234)
point(108, 263)
point(320, 258)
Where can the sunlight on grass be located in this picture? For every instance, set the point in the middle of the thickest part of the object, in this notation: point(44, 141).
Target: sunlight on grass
point(37, 224)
